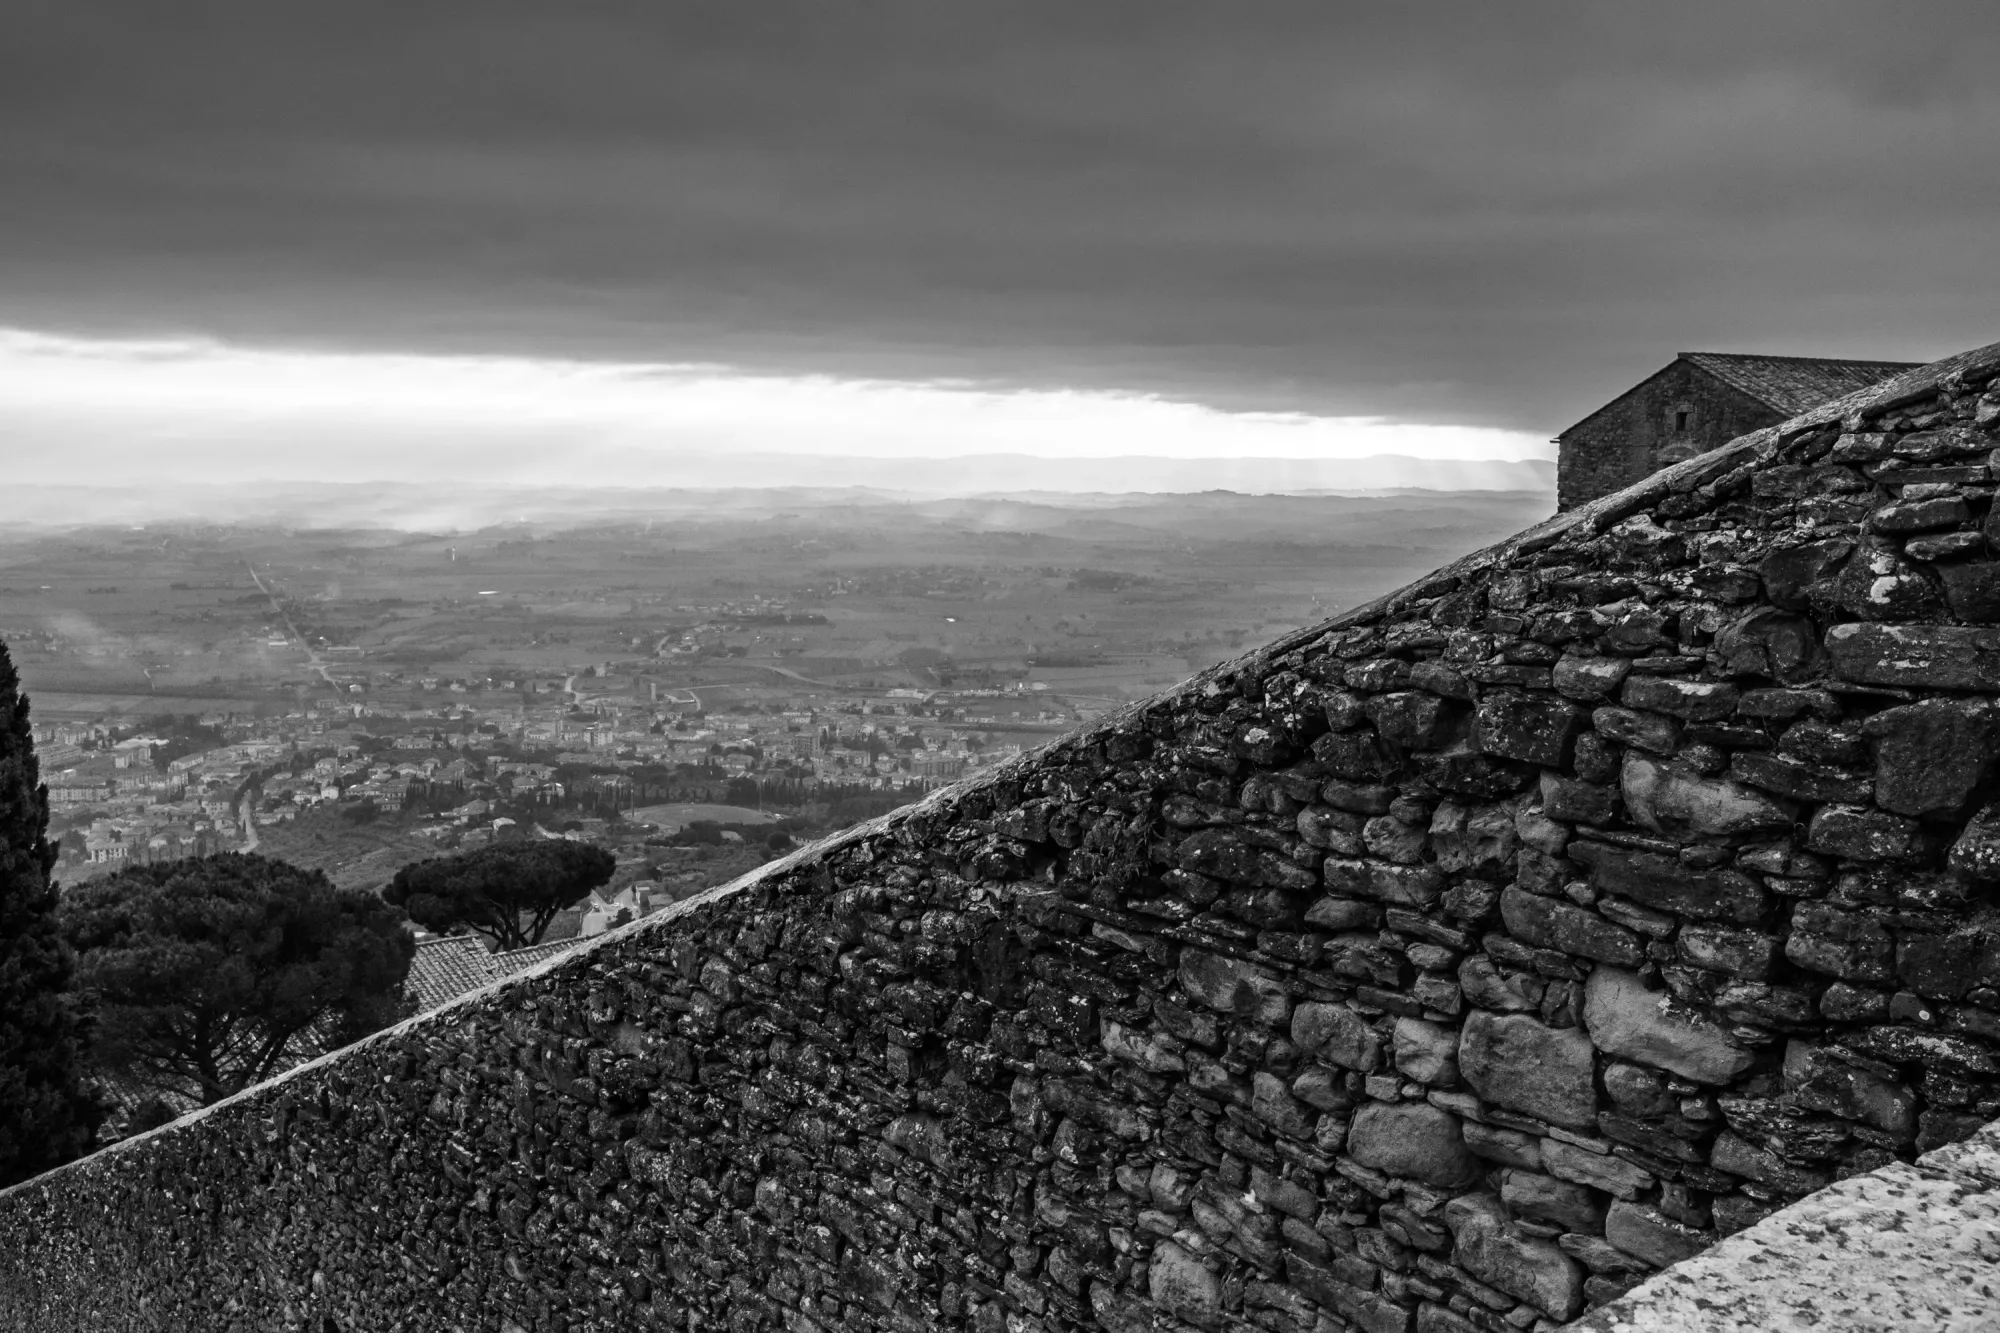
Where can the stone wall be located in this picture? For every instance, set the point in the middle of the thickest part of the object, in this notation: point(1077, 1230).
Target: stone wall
point(1453, 965)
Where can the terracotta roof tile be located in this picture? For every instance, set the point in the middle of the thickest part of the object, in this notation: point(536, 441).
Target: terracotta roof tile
point(448, 967)
point(519, 960)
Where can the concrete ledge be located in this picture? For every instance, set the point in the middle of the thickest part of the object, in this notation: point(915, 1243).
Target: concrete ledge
point(1912, 1246)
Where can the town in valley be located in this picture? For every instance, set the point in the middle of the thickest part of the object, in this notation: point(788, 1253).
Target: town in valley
point(696, 690)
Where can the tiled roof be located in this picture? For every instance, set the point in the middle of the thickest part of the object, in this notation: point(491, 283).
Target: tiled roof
point(519, 960)
point(454, 965)
point(126, 1094)
point(448, 967)
point(1793, 384)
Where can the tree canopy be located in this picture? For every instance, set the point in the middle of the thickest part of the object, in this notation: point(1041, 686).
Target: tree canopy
point(47, 1116)
point(509, 892)
point(216, 972)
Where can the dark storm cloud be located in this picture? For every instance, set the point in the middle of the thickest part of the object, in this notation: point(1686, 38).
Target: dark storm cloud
point(1478, 212)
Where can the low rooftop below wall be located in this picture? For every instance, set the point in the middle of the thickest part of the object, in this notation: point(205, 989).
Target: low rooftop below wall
point(1911, 1246)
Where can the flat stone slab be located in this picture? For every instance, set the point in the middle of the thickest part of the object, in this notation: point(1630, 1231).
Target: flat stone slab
point(1907, 1247)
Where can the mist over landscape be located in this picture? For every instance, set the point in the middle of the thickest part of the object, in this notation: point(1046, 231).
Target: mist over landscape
point(1291, 557)
point(768, 483)
point(641, 643)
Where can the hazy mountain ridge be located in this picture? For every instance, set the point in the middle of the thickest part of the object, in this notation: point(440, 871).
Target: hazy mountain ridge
point(427, 506)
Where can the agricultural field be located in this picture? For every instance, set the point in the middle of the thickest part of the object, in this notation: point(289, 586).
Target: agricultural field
point(672, 818)
point(730, 596)
point(695, 688)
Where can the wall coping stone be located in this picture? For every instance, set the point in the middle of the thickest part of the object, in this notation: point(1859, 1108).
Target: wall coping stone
point(1909, 1246)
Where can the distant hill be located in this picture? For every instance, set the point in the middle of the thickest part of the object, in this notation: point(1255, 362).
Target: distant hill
point(710, 489)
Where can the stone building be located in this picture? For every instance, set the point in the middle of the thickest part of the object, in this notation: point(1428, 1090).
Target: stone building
point(1699, 402)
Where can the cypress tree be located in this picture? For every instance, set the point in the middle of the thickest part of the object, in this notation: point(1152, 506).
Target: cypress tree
point(46, 1115)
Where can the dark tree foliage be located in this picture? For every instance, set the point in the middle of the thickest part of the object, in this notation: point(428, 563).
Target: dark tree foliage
point(183, 735)
point(509, 892)
point(217, 972)
point(46, 1115)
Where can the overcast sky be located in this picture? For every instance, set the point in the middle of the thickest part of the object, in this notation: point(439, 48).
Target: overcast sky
point(1478, 215)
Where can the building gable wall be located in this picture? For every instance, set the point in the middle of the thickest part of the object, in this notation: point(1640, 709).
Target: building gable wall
point(1634, 435)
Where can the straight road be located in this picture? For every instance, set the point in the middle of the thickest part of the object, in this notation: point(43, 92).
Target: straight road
point(312, 658)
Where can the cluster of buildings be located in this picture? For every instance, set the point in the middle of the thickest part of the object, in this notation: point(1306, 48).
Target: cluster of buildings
point(111, 803)
point(119, 796)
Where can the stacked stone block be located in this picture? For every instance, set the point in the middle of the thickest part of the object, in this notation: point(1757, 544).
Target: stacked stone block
point(1450, 967)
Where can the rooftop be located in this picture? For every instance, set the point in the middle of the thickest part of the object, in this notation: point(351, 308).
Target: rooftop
point(446, 968)
point(449, 966)
point(1793, 384)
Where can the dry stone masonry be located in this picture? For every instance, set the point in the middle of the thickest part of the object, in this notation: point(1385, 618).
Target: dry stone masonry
point(1452, 966)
